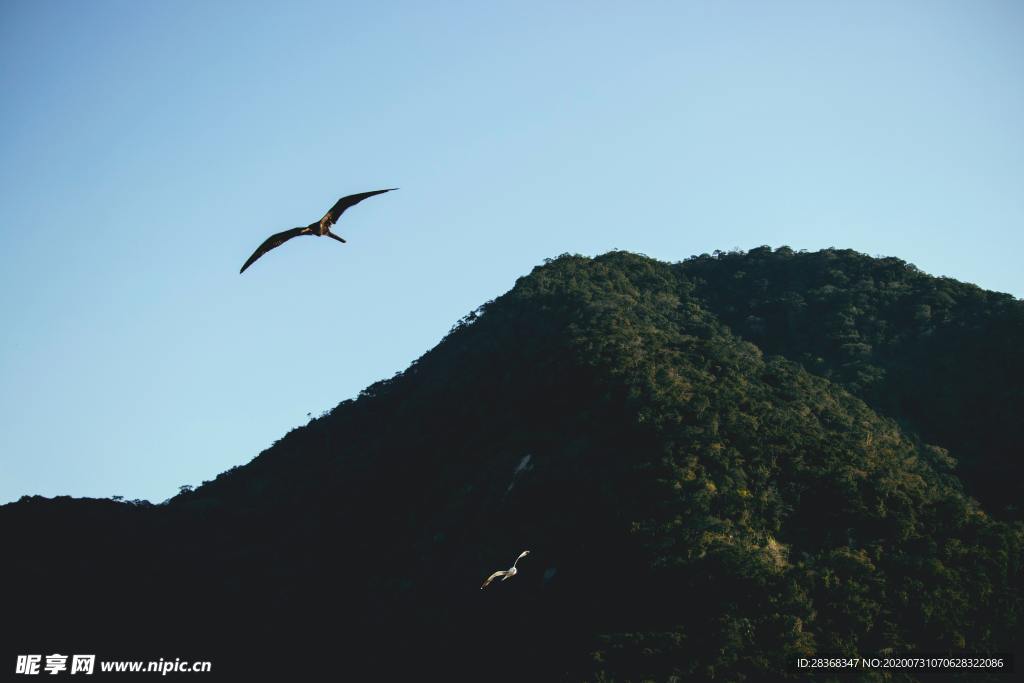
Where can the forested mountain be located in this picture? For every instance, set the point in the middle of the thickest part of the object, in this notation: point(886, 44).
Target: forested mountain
point(943, 358)
point(717, 464)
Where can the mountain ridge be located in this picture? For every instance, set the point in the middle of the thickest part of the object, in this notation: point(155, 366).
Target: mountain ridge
point(741, 509)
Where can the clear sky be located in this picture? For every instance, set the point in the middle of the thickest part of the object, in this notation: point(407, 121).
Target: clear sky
point(146, 148)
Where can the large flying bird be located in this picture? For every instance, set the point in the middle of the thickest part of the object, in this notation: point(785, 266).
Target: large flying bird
point(320, 228)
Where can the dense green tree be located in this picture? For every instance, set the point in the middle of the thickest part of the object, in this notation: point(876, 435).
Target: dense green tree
point(944, 358)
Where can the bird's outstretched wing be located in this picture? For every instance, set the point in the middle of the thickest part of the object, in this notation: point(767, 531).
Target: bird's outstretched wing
point(276, 241)
point(334, 213)
point(492, 577)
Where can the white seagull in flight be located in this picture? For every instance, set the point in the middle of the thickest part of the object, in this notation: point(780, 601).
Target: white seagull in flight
point(505, 574)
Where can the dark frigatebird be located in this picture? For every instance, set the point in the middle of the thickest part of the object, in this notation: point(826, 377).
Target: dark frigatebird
point(320, 228)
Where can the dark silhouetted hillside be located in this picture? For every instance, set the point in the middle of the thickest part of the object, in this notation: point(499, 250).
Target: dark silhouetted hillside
point(716, 464)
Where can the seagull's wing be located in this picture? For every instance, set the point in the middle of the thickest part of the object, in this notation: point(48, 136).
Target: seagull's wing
point(492, 577)
point(275, 241)
point(334, 213)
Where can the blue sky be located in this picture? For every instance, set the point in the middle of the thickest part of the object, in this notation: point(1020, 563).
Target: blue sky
point(147, 148)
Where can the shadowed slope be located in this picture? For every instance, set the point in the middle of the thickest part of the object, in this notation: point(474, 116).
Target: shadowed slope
point(692, 508)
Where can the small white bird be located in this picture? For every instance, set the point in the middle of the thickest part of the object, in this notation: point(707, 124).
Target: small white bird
point(505, 574)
